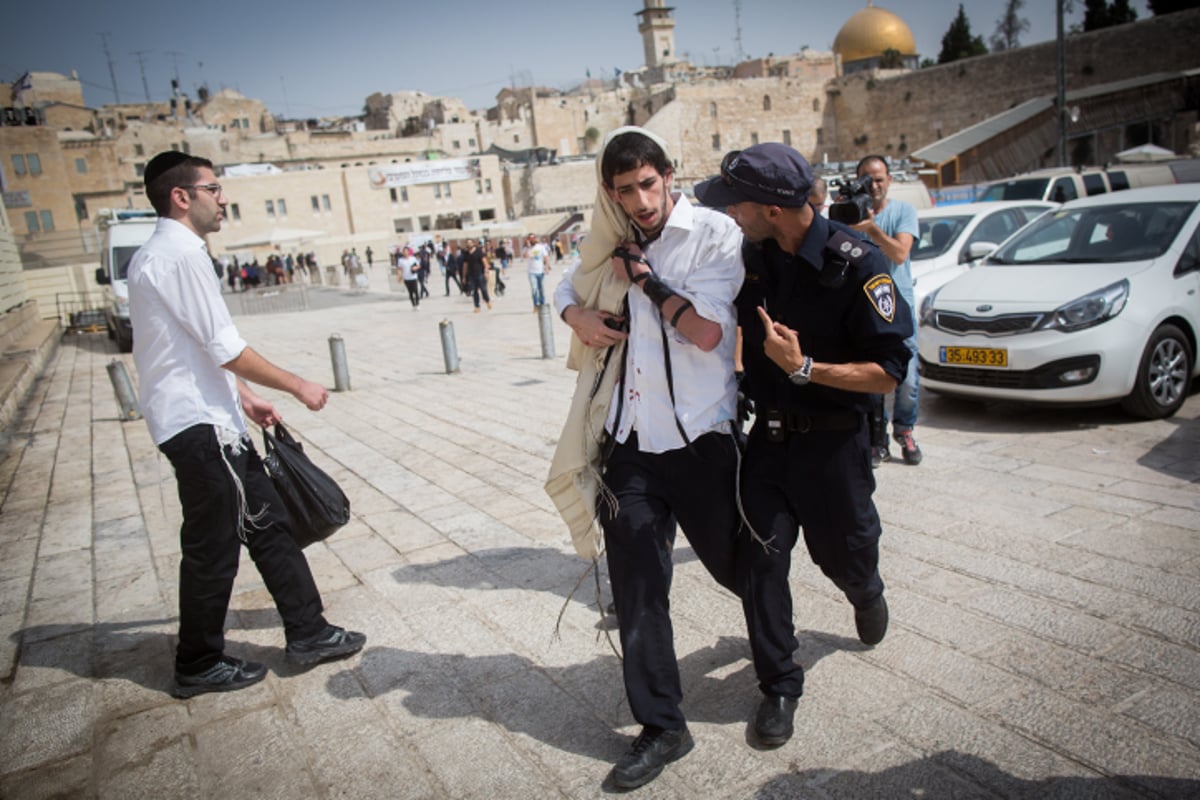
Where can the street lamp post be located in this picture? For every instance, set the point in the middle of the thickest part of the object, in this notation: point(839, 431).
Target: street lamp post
point(1061, 101)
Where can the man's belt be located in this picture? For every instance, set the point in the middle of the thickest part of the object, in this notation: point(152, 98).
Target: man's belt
point(779, 424)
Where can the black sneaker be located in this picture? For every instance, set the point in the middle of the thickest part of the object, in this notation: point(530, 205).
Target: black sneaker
point(880, 455)
point(909, 448)
point(872, 622)
point(773, 722)
point(652, 750)
point(331, 643)
point(227, 675)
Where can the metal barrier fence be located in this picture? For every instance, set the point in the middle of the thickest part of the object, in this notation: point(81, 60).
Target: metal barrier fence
point(269, 299)
point(80, 312)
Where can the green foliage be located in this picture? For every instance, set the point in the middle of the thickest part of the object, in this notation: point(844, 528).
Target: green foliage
point(1099, 14)
point(891, 59)
point(958, 41)
point(1009, 27)
point(1169, 6)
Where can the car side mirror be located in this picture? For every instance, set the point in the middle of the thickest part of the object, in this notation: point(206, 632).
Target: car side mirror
point(978, 250)
point(102, 277)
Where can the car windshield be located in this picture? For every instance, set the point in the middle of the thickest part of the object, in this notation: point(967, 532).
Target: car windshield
point(1097, 234)
point(1027, 189)
point(937, 234)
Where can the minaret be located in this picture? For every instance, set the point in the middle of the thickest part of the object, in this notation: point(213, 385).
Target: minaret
point(658, 33)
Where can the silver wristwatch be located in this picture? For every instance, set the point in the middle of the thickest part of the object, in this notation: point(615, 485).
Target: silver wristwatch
point(804, 374)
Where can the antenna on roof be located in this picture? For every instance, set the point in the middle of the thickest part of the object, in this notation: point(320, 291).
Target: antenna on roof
point(111, 72)
point(142, 67)
point(737, 27)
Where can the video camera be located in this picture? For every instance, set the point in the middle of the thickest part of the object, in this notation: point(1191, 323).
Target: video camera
point(854, 201)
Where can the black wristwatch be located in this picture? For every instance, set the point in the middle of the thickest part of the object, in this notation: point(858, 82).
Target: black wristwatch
point(804, 374)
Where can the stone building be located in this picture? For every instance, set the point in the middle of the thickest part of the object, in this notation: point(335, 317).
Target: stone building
point(897, 112)
point(875, 38)
point(64, 161)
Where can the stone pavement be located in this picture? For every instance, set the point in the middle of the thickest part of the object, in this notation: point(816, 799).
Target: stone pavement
point(1042, 567)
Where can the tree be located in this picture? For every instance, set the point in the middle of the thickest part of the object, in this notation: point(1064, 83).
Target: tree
point(1169, 6)
point(1099, 14)
point(891, 59)
point(1009, 27)
point(958, 41)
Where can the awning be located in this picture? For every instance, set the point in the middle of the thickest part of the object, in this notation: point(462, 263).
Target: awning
point(1145, 152)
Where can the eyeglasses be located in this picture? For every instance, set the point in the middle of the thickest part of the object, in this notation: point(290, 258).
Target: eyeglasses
point(212, 188)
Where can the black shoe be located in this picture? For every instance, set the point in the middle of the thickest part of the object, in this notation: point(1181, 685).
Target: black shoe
point(227, 675)
point(773, 722)
point(872, 622)
point(652, 750)
point(333, 642)
point(879, 455)
point(909, 448)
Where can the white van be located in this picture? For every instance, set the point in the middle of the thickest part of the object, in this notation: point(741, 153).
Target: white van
point(1062, 184)
point(122, 232)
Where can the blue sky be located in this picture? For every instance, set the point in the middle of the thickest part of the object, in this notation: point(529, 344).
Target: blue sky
point(307, 59)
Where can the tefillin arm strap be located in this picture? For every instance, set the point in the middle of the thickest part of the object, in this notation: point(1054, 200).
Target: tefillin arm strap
point(658, 292)
point(661, 293)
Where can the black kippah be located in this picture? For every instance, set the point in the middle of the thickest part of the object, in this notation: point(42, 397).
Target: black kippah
point(161, 163)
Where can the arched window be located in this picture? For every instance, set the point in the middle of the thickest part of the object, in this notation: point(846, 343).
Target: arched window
point(766, 102)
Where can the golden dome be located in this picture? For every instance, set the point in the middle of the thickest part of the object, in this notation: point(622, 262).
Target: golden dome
point(870, 32)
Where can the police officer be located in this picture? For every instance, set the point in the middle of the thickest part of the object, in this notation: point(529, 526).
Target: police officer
point(823, 329)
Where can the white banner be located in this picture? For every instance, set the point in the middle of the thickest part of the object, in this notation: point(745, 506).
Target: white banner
point(383, 177)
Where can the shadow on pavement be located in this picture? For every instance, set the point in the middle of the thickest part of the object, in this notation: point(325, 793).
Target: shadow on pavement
point(953, 774)
point(1003, 416)
point(572, 707)
point(538, 568)
point(1179, 454)
point(131, 650)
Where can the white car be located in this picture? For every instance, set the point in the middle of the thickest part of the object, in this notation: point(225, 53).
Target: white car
point(948, 234)
point(1096, 301)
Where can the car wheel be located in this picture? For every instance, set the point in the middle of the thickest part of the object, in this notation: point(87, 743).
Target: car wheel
point(1163, 375)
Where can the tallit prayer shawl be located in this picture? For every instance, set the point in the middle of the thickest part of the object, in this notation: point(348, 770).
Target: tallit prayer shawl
point(574, 480)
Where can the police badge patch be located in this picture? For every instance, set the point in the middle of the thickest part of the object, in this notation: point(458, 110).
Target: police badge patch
point(882, 294)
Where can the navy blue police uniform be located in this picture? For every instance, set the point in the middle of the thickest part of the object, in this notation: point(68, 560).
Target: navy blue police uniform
point(808, 465)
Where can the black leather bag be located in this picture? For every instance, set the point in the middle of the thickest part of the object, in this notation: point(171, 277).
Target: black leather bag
point(314, 502)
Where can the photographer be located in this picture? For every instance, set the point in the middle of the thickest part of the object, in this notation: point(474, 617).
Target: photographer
point(892, 225)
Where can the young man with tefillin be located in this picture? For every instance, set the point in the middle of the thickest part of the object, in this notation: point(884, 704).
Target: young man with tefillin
point(662, 397)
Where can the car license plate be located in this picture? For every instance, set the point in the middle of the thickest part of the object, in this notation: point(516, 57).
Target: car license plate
point(974, 356)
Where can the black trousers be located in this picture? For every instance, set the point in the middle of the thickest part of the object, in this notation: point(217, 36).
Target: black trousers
point(694, 488)
point(414, 295)
point(478, 284)
point(819, 482)
point(205, 472)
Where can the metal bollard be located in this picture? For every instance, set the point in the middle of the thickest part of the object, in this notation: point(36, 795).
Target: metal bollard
point(341, 372)
point(546, 326)
point(449, 349)
point(126, 397)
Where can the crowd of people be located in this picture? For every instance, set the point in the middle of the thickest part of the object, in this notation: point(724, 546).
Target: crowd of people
point(683, 313)
point(277, 269)
point(475, 267)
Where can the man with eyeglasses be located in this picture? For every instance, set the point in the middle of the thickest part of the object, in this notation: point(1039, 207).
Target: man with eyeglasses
point(193, 369)
point(823, 328)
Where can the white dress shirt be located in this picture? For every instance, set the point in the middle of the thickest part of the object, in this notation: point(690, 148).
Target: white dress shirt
point(699, 256)
point(182, 335)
